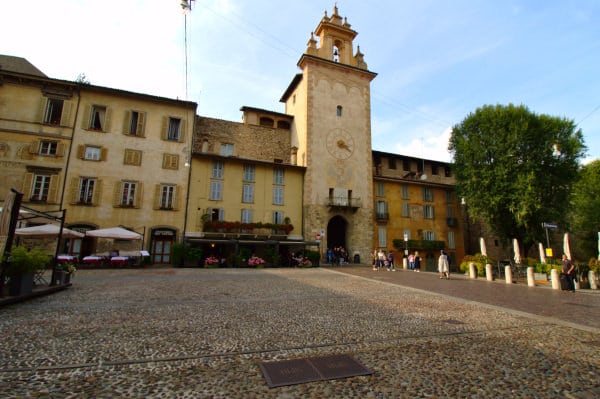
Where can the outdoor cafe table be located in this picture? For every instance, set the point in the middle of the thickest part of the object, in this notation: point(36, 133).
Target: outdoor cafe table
point(66, 259)
point(119, 260)
point(94, 260)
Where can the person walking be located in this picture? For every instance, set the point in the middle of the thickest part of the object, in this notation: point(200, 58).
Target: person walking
point(444, 266)
point(417, 262)
point(411, 262)
point(568, 270)
point(391, 261)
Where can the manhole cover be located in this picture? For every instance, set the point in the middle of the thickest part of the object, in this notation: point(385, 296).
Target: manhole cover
point(298, 371)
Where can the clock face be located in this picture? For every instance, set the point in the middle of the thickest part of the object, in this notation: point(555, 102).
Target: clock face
point(340, 144)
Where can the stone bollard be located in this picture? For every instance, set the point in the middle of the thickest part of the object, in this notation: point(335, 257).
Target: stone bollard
point(404, 263)
point(593, 280)
point(472, 270)
point(489, 274)
point(508, 274)
point(555, 277)
point(530, 277)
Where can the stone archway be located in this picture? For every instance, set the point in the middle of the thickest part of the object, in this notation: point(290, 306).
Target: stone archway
point(336, 232)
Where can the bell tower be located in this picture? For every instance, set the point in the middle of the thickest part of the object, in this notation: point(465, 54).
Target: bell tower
point(331, 103)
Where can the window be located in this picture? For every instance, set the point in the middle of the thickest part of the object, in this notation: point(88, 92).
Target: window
point(86, 190)
point(217, 170)
point(428, 211)
point(246, 215)
point(450, 196)
point(278, 195)
point(170, 161)
point(278, 217)
point(128, 194)
point(97, 118)
point(405, 210)
point(392, 163)
point(92, 153)
point(407, 234)
point(451, 240)
point(135, 123)
point(48, 147)
point(427, 194)
point(41, 186)
point(429, 235)
point(278, 176)
point(380, 189)
point(381, 208)
point(248, 193)
point(132, 157)
point(53, 113)
point(449, 211)
point(216, 214)
point(167, 196)
point(249, 172)
point(405, 194)
point(173, 132)
point(216, 190)
point(339, 110)
point(226, 150)
point(435, 170)
point(382, 237)
point(447, 171)
point(406, 165)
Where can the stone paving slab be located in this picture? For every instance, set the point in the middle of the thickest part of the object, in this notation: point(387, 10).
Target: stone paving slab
point(202, 333)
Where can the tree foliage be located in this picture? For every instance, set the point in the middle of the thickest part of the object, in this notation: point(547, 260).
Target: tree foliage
point(515, 169)
point(585, 211)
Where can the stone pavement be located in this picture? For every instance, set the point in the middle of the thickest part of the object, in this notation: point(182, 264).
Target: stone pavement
point(202, 333)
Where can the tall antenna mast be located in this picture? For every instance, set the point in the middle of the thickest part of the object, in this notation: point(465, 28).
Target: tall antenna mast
point(186, 6)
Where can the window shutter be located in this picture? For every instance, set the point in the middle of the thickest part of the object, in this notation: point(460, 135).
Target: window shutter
point(97, 193)
point(42, 111)
point(141, 124)
point(176, 198)
point(53, 189)
point(73, 191)
point(107, 119)
point(117, 194)
point(85, 120)
point(65, 118)
point(182, 131)
point(34, 147)
point(165, 127)
point(139, 193)
point(126, 122)
point(103, 153)
point(60, 149)
point(157, 190)
point(81, 151)
point(27, 183)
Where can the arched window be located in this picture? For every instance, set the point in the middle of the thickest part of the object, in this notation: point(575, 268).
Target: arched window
point(339, 110)
point(283, 125)
point(267, 122)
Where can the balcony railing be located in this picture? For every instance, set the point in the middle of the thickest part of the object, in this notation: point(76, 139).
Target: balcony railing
point(344, 203)
point(382, 216)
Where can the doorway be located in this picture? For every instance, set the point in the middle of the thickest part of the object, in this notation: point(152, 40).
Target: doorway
point(336, 232)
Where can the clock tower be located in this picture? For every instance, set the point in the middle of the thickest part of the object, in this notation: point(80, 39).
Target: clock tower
point(331, 103)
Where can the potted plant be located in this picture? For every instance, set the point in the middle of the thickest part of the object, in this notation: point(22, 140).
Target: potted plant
point(192, 256)
point(65, 272)
point(257, 262)
point(211, 262)
point(22, 265)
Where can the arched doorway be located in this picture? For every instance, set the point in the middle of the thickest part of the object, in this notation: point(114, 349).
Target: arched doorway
point(336, 232)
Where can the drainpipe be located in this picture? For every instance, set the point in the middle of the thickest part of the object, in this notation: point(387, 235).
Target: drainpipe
point(189, 178)
point(64, 186)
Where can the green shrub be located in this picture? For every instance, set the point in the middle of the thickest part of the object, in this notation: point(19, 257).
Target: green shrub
point(23, 261)
point(479, 260)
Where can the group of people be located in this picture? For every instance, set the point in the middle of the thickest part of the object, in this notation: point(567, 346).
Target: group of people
point(337, 256)
point(381, 260)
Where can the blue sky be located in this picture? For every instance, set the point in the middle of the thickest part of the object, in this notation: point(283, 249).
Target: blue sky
point(437, 61)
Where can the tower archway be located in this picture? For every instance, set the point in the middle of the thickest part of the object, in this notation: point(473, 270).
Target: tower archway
point(336, 232)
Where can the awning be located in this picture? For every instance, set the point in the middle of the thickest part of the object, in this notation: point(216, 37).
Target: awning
point(47, 230)
point(117, 233)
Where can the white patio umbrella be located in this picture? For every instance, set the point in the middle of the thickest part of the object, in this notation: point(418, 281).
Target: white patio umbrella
point(567, 246)
point(517, 251)
point(118, 233)
point(542, 254)
point(482, 246)
point(47, 230)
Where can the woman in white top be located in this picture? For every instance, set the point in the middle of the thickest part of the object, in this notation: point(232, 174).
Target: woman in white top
point(443, 266)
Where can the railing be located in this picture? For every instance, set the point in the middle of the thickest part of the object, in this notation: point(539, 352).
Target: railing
point(344, 202)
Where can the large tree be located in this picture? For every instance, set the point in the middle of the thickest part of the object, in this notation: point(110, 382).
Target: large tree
point(515, 169)
point(585, 212)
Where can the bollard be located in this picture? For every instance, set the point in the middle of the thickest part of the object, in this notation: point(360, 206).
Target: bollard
point(489, 274)
point(554, 276)
point(508, 274)
point(593, 280)
point(472, 270)
point(404, 263)
point(530, 277)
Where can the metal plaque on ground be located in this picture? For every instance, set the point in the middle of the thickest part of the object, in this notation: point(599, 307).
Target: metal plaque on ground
point(298, 371)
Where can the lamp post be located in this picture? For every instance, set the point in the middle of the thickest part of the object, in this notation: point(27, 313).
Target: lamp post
point(463, 202)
